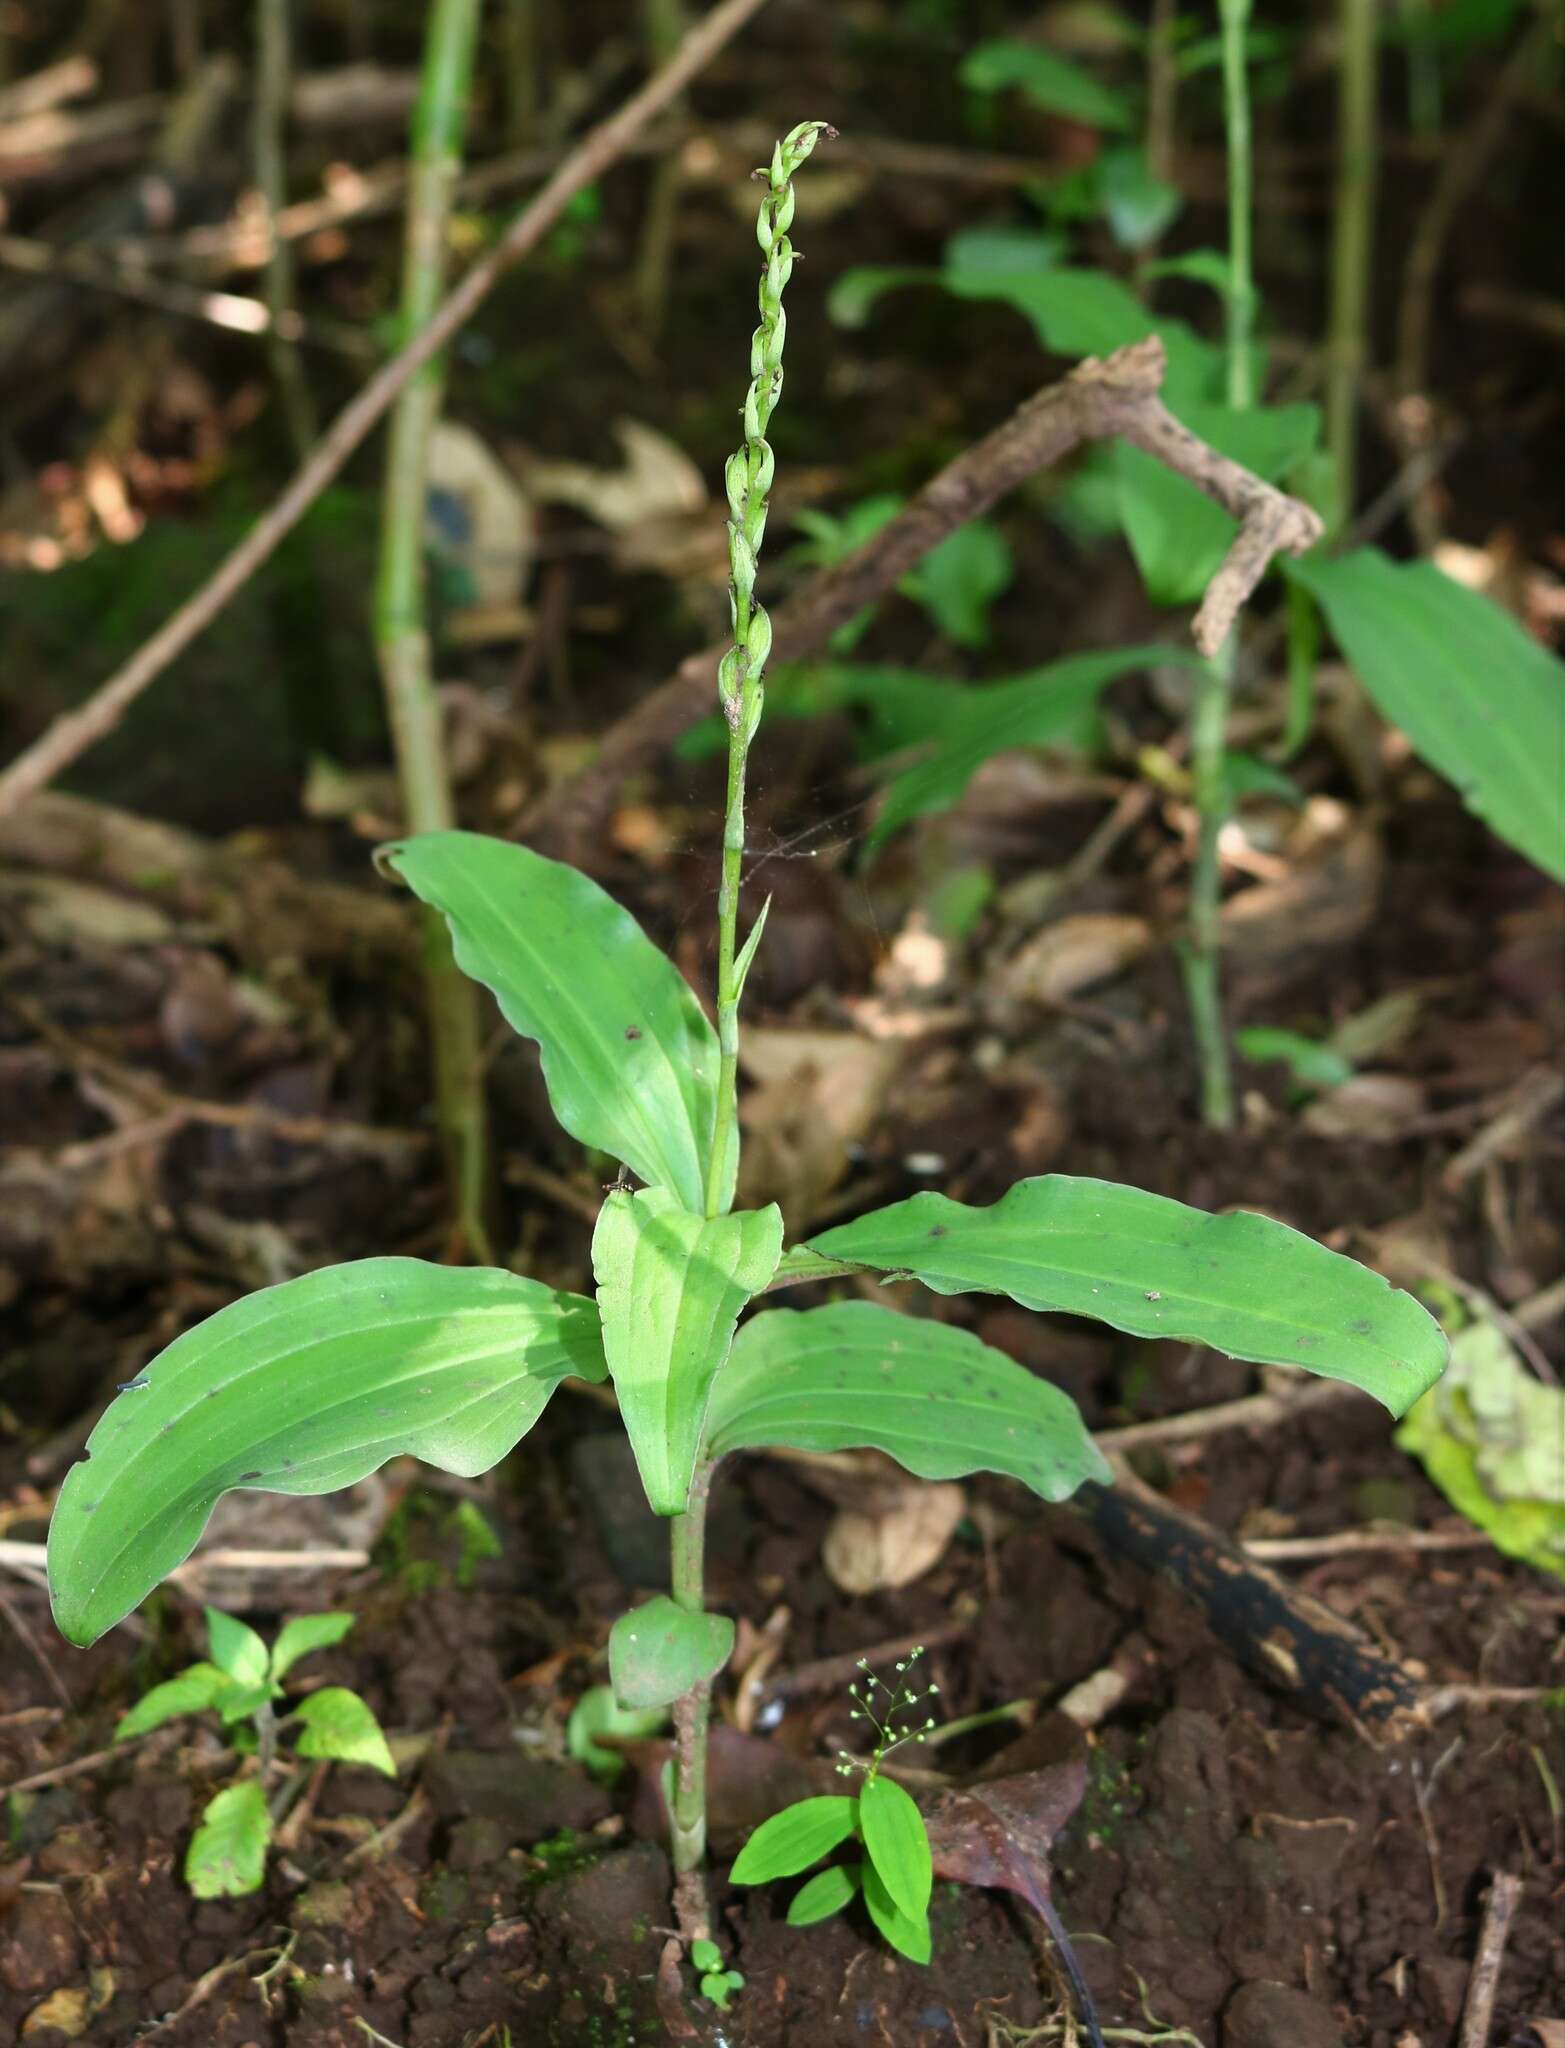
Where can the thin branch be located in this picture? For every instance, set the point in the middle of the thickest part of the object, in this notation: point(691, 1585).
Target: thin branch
point(71, 735)
point(1116, 396)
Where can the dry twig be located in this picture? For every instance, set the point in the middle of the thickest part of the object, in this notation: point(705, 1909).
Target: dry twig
point(1504, 1896)
point(74, 732)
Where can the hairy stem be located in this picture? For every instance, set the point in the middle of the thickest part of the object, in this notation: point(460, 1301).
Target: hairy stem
point(741, 672)
point(401, 634)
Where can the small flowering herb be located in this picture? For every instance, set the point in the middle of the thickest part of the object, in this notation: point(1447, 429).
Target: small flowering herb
point(895, 1872)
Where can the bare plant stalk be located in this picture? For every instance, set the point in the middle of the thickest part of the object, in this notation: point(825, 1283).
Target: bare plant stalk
point(1352, 229)
point(273, 67)
point(401, 632)
point(664, 26)
point(740, 688)
point(1201, 953)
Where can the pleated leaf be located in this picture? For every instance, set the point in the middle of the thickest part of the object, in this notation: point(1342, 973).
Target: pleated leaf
point(943, 1404)
point(1240, 1283)
point(630, 1061)
point(304, 1388)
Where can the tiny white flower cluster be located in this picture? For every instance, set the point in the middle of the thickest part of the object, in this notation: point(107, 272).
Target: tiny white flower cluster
point(888, 1709)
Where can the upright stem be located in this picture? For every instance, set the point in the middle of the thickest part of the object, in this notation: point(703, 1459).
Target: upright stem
point(401, 635)
point(664, 25)
point(1201, 956)
point(687, 1806)
point(273, 66)
point(1352, 231)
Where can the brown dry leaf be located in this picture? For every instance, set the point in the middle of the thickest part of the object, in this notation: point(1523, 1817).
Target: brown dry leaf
point(1375, 1108)
point(68, 2012)
point(1075, 954)
point(1330, 898)
point(895, 1541)
point(1550, 2032)
point(657, 481)
point(818, 1094)
point(59, 912)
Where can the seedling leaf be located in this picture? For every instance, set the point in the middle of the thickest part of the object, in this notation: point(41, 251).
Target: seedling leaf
point(630, 1061)
point(304, 1388)
point(795, 1838)
point(236, 1648)
point(827, 1892)
point(192, 1691)
point(1241, 1283)
point(907, 1933)
point(660, 1650)
point(227, 1854)
point(305, 1634)
point(933, 1397)
point(670, 1288)
point(898, 1844)
point(338, 1724)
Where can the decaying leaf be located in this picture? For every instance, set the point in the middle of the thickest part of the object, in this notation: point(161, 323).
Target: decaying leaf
point(67, 2011)
point(1073, 955)
point(894, 1538)
point(1492, 1438)
point(818, 1093)
point(479, 523)
point(1375, 1108)
point(657, 480)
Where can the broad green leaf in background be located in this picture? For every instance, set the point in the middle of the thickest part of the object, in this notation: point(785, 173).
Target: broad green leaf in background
point(660, 1650)
point(942, 1403)
point(303, 1388)
point(795, 1838)
point(1052, 705)
point(304, 1634)
point(630, 1061)
point(1049, 81)
point(337, 1724)
point(227, 1854)
point(898, 1843)
point(1137, 206)
point(1240, 1283)
point(192, 1691)
point(1312, 1063)
point(825, 1893)
point(959, 580)
point(1478, 697)
point(907, 1933)
point(670, 1289)
point(236, 1648)
point(1492, 1438)
point(1176, 532)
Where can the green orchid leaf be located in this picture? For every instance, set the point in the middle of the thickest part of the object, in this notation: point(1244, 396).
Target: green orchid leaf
point(826, 1893)
point(943, 1404)
point(660, 1650)
point(958, 581)
point(907, 1933)
point(1478, 697)
point(337, 1724)
point(304, 1388)
point(194, 1690)
point(1049, 81)
point(898, 1844)
point(670, 1288)
point(795, 1838)
point(306, 1633)
point(630, 1061)
point(1240, 1283)
point(236, 1648)
point(227, 1854)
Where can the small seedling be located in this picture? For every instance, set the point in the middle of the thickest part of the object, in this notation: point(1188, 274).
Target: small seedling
point(717, 1984)
point(242, 1683)
point(895, 1873)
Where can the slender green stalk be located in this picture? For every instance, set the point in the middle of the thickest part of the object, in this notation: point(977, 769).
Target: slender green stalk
point(1352, 231)
point(401, 635)
point(1201, 955)
point(273, 65)
point(664, 25)
point(740, 676)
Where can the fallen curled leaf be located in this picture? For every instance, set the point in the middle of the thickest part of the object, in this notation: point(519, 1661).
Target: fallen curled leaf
point(657, 480)
point(1075, 954)
point(1375, 1108)
point(894, 1540)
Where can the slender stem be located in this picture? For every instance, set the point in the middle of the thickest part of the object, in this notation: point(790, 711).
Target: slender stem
point(1241, 283)
point(1162, 90)
point(1352, 230)
point(273, 64)
point(1201, 956)
point(664, 25)
point(687, 1804)
point(741, 672)
point(401, 634)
